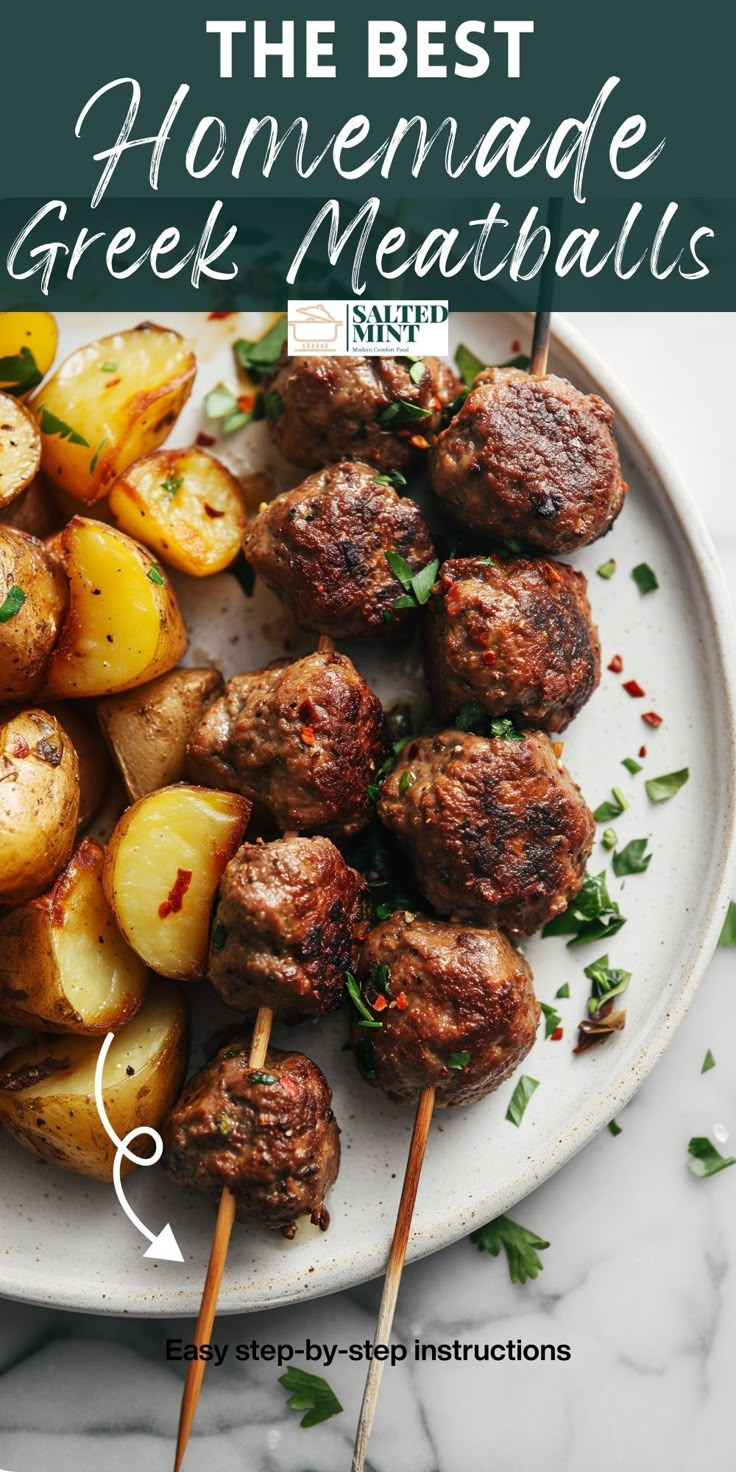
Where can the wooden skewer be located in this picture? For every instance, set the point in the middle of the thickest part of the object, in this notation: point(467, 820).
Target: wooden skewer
point(543, 316)
point(223, 1230)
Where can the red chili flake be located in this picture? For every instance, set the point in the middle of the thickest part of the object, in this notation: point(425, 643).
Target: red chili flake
point(616, 665)
point(205, 440)
point(489, 657)
point(633, 688)
point(307, 735)
point(173, 904)
point(401, 1002)
point(516, 346)
point(212, 511)
point(218, 316)
point(555, 1036)
point(419, 442)
point(20, 748)
point(380, 1004)
point(111, 382)
point(652, 719)
point(642, 751)
point(246, 402)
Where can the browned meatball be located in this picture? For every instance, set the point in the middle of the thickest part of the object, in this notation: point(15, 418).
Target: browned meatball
point(326, 409)
point(323, 547)
point(497, 829)
point(268, 1134)
point(465, 1013)
point(514, 635)
point(530, 459)
point(302, 739)
point(289, 921)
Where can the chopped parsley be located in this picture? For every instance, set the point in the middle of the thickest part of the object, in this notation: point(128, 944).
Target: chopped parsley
point(459, 1060)
point(611, 809)
point(50, 424)
point(614, 1129)
point(258, 1077)
point(154, 575)
point(727, 936)
point(12, 603)
point(108, 368)
point(562, 991)
point(520, 1098)
point(644, 578)
point(417, 370)
point(552, 1018)
point(633, 859)
point(310, 1393)
point(606, 982)
point(519, 1244)
point(705, 1159)
point(380, 975)
point(273, 404)
point(469, 365)
point(661, 789)
point(391, 478)
point(172, 484)
point(503, 729)
point(224, 1124)
point(608, 838)
point(418, 585)
point(631, 765)
point(96, 456)
point(378, 858)
point(386, 766)
point(708, 1062)
point(474, 717)
point(353, 991)
point(401, 412)
point(19, 374)
point(607, 569)
point(591, 915)
point(221, 403)
point(406, 780)
point(258, 357)
point(219, 935)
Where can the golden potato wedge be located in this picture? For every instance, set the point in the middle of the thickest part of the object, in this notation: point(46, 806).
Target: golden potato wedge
point(164, 862)
point(39, 804)
point(186, 506)
point(123, 626)
point(34, 510)
point(77, 718)
point(147, 730)
point(28, 343)
point(109, 403)
point(20, 448)
point(47, 1089)
point(34, 594)
point(64, 966)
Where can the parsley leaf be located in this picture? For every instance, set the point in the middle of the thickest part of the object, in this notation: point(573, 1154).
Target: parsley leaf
point(19, 374)
point(608, 838)
point(154, 575)
point(591, 915)
point(406, 780)
point(606, 981)
point(469, 365)
point(520, 1098)
point(615, 1129)
point(259, 1077)
point(705, 1160)
point(401, 412)
point(391, 478)
point(519, 1244)
point(310, 1393)
point(633, 859)
point(458, 1060)
point(608, 809)
point(417, 370)
point(644, 578)
point(708, 1062)
point(552, 1018)
point(474, 717)
point(221, 403)
point(12, 603)
point(661, 789)
point(96, 456)
point(727, 936)
point(419, 585)
point(504, 729)
point(172, 484)
point(563, 991)
point(259, 356)
point(219, 935)
point(108, 368)
point(607, 569)
point(631, 765)
point(49, 424)
point(353, 990)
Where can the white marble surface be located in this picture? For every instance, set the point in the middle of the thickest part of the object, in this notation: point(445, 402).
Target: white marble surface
point(640, 1277)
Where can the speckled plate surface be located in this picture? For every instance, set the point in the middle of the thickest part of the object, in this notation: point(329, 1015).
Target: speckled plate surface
point(65, 1242)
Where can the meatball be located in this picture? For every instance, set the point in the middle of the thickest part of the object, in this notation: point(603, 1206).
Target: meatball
point(268, 1134)
point(325, 409)
point(289, 921)
point(302, 739)
point(322, 548)
point(497, 829)
point(515, 635)
point(465, 1013)
point(530, 459)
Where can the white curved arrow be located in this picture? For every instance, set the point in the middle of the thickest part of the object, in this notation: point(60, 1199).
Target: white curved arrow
point(164, 1246)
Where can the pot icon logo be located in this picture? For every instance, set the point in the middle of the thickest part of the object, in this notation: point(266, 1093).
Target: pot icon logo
point(313, 326)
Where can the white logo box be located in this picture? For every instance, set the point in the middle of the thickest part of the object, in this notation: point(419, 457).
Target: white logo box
point(368, 328)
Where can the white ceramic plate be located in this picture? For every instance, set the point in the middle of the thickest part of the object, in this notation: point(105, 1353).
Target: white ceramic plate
point(64, 1241)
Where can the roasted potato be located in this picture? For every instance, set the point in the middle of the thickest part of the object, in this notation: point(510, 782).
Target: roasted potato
point(64, 966)
point(147, 730)
point(20, 448)
point(27, 349)
point(109, 403)
point(164, 862)
point(186, 506)
point(34, 510)
point(34, 595)
point(80, 724)
point(39, 804)
point(47, 1089)
point(123, 626)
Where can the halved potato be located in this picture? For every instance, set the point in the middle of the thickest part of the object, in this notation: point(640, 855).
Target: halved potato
point(47, 1089)
point(64, 966)
point(27, 349)
point(20, 448)
point(123, 626)
point(34, 510)
point(111, 402)
point(164, 862)
point(78, 720)
point(186, 506)
point(148, 730)
point(39, 804)
point(34, 594)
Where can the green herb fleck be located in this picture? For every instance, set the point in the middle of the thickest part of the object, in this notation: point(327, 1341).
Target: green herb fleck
point(520, 1098)
point(563, 991)
point(552, 1018)
point(708, 1062)
point(606, 982)
point(615, 1129)
point(661, 789)
point(631, 765)
point(519, 1244)
point(406, 780)
point(12, 604)
point(172, 484)
point(401, 412)
point(458, 1060)
point(310, 1393)
point(108, 368)
point(258, 357)
point(472, 717)
point(49, 424)
point(607, 569)
point(644, 578)
point(96, 456)
point(705, 1159)
point(613, 809)
point(258, 1077)
point(727, 936)
point(380, 975)
point(419, 585)
point(513, 545)
point(391, 478)
point(224, 1124)
point(219, 935)
point(591, 915)
point(633, 859)
point(469, 365)
point(154, 575)
point(608, 838)
point(18, 375)
point(417, 371)
point(353, 990)
point(504, 729)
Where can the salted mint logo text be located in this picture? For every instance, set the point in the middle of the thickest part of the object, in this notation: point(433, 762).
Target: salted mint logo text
point(368, 327)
